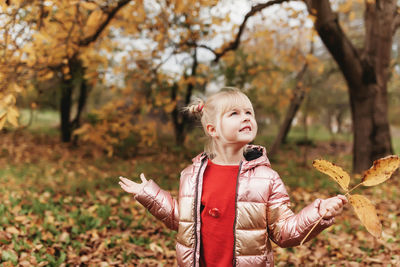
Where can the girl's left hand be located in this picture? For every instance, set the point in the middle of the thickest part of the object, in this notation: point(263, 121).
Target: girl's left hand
point(132, 187)
point(332, 207)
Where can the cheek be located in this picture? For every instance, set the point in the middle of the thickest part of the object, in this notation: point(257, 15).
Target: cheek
point(255, 124)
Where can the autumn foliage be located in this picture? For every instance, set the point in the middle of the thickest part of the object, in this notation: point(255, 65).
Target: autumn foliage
point(381, 171)
point(116, 75)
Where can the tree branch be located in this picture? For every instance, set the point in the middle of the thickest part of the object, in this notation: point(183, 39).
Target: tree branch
point(396, 22)
point(337, 42)
point(235, 43)
point(110, 16)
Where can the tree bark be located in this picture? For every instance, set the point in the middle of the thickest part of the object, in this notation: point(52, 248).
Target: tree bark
point(366, 75)
point(295, 104)
point(180, 120)
point(65, 109)
point(74, 80)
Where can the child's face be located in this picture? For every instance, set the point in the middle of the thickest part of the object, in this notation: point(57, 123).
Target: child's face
point(237, 125)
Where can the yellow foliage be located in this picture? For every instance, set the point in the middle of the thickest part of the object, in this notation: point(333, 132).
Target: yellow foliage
point(366, 212)
point(8, 111)
point(345, 6)
point(352, 15)
point(381, 170)
point(95, 18)
point(88, 5)
point(3, 118)
point(47, 76)
point(170, 107)
point(334, 171)
point(12, 116)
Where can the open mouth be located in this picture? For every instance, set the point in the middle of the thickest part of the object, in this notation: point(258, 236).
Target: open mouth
point(245, 129)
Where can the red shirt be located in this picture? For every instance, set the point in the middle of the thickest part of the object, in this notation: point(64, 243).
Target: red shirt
point(218, 214)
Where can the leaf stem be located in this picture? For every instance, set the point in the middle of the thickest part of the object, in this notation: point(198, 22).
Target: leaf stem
point(348, 192)
point(315, 225)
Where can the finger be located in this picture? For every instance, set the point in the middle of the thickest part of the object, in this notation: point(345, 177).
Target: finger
point(127, 181)
point(343, 198)
point(143, 178)
point(123, 178)
point(126, 188)
point(328, 214)
point(123, 182)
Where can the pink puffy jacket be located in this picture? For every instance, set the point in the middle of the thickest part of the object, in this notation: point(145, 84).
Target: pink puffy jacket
point(262, 212)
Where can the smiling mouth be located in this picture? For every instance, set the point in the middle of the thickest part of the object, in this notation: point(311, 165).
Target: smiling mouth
point(245, 129)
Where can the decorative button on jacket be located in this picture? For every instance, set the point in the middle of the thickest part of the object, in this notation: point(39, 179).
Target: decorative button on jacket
point(214, 212)
point(262, 212)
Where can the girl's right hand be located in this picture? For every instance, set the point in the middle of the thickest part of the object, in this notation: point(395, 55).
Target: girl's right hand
point(132, 187)
point(332, 207)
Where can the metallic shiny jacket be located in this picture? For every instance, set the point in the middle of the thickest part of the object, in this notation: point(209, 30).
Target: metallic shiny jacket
point(262, 212)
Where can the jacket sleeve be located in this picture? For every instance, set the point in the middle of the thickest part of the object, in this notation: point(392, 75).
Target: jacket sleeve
point(160, 203)
point(285, 228)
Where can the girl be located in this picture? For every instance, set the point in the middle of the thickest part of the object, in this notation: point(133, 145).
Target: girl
point(231, 202)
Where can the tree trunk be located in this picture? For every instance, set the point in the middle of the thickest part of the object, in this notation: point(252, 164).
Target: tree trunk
point(339, 120)
point(365, 74)
point(295, 104)
point(71, 81)
point(65, 109)
point(81, 104)
point(180, 120)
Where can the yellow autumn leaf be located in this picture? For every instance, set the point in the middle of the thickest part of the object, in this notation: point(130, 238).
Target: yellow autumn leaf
point(12, 230)
point(83, 129)
point(47, 76)
point(366, 212)
point(170, 107)
point(12, 116)
point(94, 18)
point(381, 170)
point(345, 7)
point(88, 5)
point(3, 118)
point(335, 172)
point(9, 100)
point(352, 15)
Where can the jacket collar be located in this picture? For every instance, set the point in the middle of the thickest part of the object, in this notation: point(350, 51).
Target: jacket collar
point(254, 156)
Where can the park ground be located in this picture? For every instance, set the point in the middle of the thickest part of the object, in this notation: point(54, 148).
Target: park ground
point(61, 205)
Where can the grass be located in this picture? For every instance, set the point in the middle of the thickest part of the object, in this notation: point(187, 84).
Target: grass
point(43, 121)
point(66, 203)
point(396, 145)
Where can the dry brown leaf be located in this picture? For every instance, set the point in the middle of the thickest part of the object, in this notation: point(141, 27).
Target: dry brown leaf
point(366, 212)
point(381, 170)
point(12, 230)
point(334, 171)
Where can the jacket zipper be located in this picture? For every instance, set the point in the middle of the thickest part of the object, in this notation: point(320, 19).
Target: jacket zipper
point(195, 213)
point(234, 222)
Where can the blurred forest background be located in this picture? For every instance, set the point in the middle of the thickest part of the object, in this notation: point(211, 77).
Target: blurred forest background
point(91, 90)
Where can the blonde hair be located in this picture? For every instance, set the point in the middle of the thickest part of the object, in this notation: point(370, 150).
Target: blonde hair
point(211, 110)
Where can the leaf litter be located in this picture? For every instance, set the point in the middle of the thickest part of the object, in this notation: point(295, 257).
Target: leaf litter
point(47, 220)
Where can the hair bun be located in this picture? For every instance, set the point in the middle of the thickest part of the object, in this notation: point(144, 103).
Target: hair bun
point(196, 107)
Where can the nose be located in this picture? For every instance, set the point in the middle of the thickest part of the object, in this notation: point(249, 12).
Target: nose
point(246, 117)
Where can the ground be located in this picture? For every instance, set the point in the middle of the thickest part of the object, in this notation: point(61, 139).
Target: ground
point(61, 206)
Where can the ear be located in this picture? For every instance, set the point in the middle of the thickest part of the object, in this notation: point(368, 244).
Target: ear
point(211, 129)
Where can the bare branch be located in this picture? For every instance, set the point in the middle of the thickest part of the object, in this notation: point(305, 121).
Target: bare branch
point(235, 43)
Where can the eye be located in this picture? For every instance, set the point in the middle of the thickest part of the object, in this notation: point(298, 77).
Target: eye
point(234, 113)
point(249, 112)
